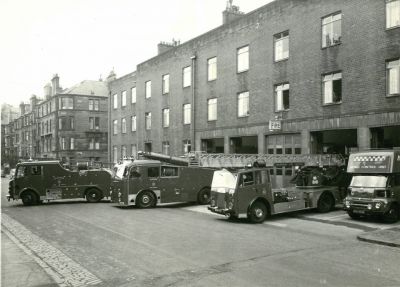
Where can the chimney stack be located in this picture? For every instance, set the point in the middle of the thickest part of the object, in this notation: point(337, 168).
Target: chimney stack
point(231, 13)
point(55, 82)
point(22, 108)
point(47, 91)
point(33, 102)
point(164, 46)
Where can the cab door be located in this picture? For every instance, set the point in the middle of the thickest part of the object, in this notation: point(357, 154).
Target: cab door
point(170, 184)
point(247, 190)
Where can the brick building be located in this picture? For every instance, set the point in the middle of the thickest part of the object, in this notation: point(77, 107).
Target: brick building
point(290, 77)
point(68, 124)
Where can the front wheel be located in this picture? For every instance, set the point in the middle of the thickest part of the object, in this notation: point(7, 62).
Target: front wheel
point(28, 197)
point(353, 215)
point(146, 199)
point(392, 215)
point(257, 212)
point(204, 196)
point(325, 203)
point(93, 195)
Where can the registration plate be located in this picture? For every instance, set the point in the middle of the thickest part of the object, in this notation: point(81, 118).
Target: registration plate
point(359, 211)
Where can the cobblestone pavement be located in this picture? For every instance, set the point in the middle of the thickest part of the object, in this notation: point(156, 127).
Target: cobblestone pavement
point(62, 269)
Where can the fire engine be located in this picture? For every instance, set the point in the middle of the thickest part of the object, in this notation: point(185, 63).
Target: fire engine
point(146, 183)
point(254, 194)
point(375, 185)
point(36, 181)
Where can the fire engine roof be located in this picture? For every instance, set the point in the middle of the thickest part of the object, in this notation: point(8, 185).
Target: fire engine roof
point(40, 162)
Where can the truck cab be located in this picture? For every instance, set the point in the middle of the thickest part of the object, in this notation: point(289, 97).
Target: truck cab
point(146, 183)
point(249, 193)
point(375, 186)
point(37, 181)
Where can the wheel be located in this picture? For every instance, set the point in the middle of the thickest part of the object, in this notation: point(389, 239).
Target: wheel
point(258, 212)
point(204, 196)
point(28, 197)
point(392, 215)
point(146, 199)
point(93, 195)
point(353, 215)
point(325, 203)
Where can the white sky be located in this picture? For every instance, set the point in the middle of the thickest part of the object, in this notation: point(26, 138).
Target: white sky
point(85, 39)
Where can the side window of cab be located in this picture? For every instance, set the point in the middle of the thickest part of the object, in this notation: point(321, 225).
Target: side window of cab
point(246, 179)
point(153, 172)
point(21, 171)
point(36, 170)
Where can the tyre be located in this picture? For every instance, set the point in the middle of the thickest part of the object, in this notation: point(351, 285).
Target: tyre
point(392, 215)
point(93, 195)
point(325, 203)
point(146, 199)
point(28, 197)
point(204, 196)
point(353, 215)
point(257, 212)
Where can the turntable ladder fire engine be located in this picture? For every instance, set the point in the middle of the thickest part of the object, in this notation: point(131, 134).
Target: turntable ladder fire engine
point(217, 160)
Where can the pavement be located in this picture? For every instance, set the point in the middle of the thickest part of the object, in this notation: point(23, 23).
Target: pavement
point(18, 269)
point(389, 237)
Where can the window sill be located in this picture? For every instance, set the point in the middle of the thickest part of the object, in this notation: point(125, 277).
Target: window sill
point(392, 95)
point(392, 28)
point(281, 111)
point(240, 72)
point(330, 46)
point(186, 87)
point(244, 116)
point(211, 80)
point(281, 60)
point(332, 104)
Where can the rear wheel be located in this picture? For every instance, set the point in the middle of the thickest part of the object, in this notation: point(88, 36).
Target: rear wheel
point(93, 195)
point(28, 197)
point(392, 215)
point(325, 203)
point(257, 212)
point(204, 196)
point(146, 199)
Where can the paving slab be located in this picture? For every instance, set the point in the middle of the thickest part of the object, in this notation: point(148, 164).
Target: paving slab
point(389, 237)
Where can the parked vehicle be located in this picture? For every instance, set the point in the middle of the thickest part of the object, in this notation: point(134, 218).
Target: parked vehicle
point(37, 181)
point(249, 193)
point(375, 185)
point(146, 183)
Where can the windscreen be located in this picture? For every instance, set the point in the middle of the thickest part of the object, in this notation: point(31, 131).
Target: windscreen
point(120, 170)
point(223, 179)
point(368, 181)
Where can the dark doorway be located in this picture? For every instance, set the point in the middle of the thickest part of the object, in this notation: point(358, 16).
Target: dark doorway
point(243, 145)
point(385, 137)
point(147, 147)
point(213, 145)
point(334, 141)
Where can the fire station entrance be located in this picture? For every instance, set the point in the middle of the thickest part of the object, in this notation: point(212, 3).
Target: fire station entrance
point(385, 137)
point(333, 141)
point(243, 145)
point(213, 145)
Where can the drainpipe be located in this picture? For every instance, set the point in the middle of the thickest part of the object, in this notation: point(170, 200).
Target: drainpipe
point(193, 116)
point(109, 128)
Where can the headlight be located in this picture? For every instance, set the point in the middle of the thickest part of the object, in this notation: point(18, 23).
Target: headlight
point(230, 205)
point(378, 205)
point(213, 202)
point(231, 191)
point(347, 203)
point(369, 206)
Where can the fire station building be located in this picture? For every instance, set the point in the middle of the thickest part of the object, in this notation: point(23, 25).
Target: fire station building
point(290, 77)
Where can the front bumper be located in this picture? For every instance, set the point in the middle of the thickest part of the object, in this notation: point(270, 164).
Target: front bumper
point(226, 212)
point(366, 207)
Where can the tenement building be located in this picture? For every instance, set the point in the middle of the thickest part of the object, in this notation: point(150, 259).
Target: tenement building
point(290, 77)
point(67, 124)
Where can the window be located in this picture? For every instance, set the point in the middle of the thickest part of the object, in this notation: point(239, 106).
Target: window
point(187, 114)
point(392, 13)
point(331, 30)
point(147, 117)
point(123, 99)
point(246, 179)
point(91, 143)
point(96, 105)
point(282, 97)
point(36, 170)
point(153, 171)
point(72, 143)
point(212, 109)
point(332, 88)
point(91, 123)
point(133, 123)
point(148, 89)
point(165, 147)
point(281, 46)
point(165, 84)
point(115, 154)
point(186, 146)
point(169, 171)
point(91, 105)
point(243, 104)
point(187, 76)
point(65, 123)
point(243, 59)
point(133, 150)
point(123, 125)
point(115, 127)
point(97, 145)
point(66, 103)
point(123, 151)
point(165, 113)
point(94, 123)
point(393, 77)
point(212, 68)
point(115, 101)
point(63, 143)
point(133, 95)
